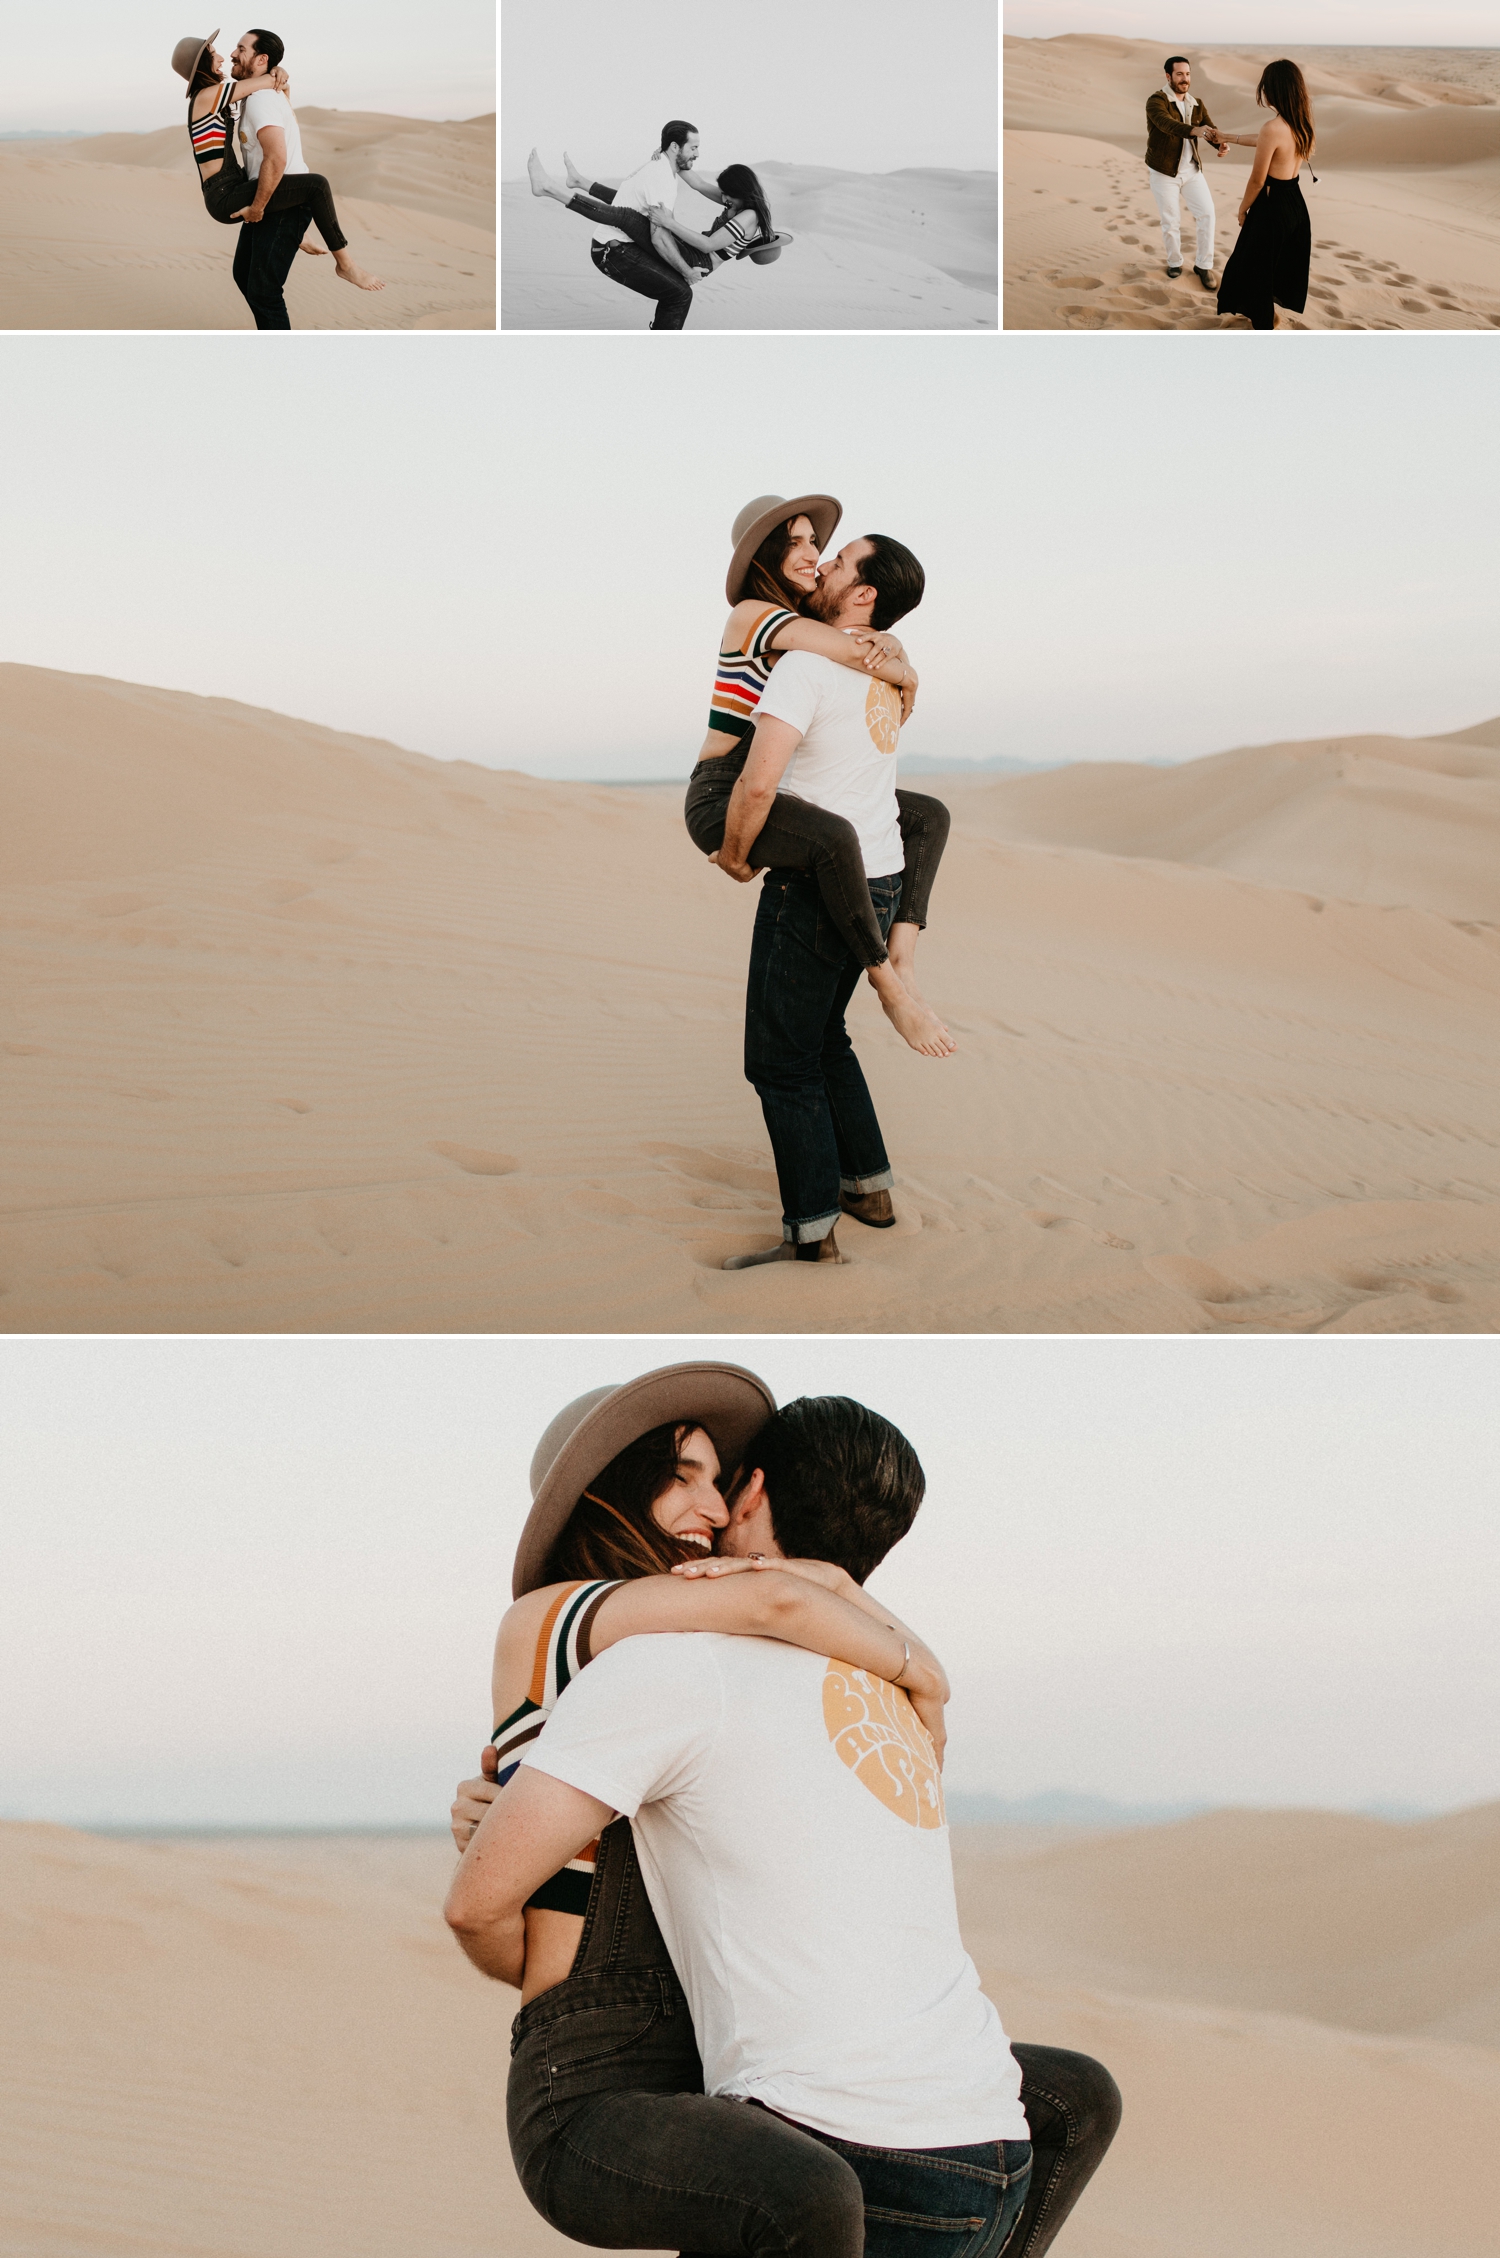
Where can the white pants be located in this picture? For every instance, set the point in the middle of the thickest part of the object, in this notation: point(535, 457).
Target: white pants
point(1191, 187)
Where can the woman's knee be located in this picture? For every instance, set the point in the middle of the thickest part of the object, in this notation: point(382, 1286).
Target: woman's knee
point(815, 2206)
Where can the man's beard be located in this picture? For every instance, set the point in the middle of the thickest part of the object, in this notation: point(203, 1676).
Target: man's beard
point(819, 605)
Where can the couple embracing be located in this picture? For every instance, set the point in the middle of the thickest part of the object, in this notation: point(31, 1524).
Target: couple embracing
point(717, 1866)
point(795, 784)
point(247, 146)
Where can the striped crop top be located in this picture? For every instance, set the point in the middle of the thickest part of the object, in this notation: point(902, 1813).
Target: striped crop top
point(562, 1650)
point(210, 133)
point(744, 671)
point(743, 232)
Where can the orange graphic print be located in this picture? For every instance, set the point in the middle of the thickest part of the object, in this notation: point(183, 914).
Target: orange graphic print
point(883, 716)
point(877, 1733)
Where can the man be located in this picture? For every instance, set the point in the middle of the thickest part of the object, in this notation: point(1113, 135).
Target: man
point(642, 258)
point(269, 143)
point(1175, 123)
point(788, 1818)
point(827, 734)
point(626, 2148)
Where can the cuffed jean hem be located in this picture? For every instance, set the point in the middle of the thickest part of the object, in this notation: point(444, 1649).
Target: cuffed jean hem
point(804, 1234)
point(884, 1182)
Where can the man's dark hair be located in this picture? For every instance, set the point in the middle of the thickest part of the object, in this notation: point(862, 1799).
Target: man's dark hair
point(842, 1483)
point(896, 577)
point(676, 129)
point(267, 44)
point(1172, 62)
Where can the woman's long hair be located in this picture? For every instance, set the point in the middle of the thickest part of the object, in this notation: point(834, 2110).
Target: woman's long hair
point(740, 182)
point(205, 74)
point(1283, 89)
point(610, 1531)
point(764, 580)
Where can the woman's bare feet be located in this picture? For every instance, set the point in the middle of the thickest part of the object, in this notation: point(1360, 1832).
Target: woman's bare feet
point(915, 1022)
point(349, 272)
point(542, 182)
point(575, 178)
point(313, 250)
point(902, 963)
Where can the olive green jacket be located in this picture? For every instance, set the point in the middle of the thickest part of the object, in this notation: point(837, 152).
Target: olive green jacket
point(1165, 131)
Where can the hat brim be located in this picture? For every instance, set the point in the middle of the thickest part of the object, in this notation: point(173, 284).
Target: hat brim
point(729, 1403)
point(192, 72)
point(824, 511)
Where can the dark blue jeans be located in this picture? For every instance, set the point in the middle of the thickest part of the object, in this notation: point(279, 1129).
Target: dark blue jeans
point(263, 260)
point(939, 2202)
point(818, 1111)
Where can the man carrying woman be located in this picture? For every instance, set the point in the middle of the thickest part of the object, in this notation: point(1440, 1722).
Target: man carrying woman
point(799, 2058)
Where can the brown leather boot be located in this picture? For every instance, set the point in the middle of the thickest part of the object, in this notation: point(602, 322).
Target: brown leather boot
point(814, 1250)
point(873, 1208)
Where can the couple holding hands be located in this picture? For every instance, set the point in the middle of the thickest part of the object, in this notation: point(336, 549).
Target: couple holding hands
point(1270, 264)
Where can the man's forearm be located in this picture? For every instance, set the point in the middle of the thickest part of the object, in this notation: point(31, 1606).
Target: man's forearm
point(497, 1949)
point(744, 819)
point(267, 180)
point(665, 248)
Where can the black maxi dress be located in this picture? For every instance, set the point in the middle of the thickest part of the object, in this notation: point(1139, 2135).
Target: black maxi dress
point(1269, 265)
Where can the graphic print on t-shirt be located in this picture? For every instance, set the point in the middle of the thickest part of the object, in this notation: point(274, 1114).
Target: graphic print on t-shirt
point(883, 717)
point(876, 1732)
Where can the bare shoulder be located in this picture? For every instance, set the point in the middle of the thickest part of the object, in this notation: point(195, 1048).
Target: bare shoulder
point(204, 99)
point(515, 1646)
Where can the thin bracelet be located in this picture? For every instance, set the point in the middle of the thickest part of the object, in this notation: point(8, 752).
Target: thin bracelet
point(905, 1661)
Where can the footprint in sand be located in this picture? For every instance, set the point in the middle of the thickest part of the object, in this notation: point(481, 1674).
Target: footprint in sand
point(1413, 305)
point(475, 1162)
point(1077, 282)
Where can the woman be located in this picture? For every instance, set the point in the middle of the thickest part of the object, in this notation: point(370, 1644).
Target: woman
point(604, 2025)
point(773, 576)
point(1270, 263)
point(228, 191)
point(745, 233)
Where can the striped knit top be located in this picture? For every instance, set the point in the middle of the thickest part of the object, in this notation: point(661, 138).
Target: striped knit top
point(210, 133)
point(562, 1650)
point(743, 231)
point(744, 671)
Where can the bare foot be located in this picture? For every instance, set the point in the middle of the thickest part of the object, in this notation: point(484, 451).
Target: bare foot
point(917, 1023)
point(542, 182)
point(902, 960)
point(348, 272)
point(575, 178)
point(313, 250)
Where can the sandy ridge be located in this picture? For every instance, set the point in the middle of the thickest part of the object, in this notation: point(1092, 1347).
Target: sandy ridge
point(304, 1031)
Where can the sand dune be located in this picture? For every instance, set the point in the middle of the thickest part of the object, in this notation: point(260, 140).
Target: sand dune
point(1389, 820)
point(901, 250)
point(303, 1031)
point(272, 2049)
point(1405, 210)
point(111, 233)
point(1346, 1920)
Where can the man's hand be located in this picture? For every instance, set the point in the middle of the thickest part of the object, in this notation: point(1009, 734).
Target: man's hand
point(742, 872)
point(472, 1798)
point(249, 215)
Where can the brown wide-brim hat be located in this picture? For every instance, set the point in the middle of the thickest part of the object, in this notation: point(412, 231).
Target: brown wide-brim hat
point(762, 516)
point(188, 53)
point(730, 1404)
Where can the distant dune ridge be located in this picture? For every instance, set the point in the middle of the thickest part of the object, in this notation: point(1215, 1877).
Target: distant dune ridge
point(304, 1031)
point(913, 249)
point(263, 2048)
point(1405, 210)
point(110, 232)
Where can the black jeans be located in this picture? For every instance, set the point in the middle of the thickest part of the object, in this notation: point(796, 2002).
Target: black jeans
point(818, 1111)
point(939, 2202)
point(798, 836)
point(225, 195)
point(616, 2143)
point(640, 270)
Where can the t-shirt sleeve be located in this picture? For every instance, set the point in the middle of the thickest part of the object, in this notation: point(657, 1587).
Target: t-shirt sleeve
point(793, 692)
point(263, 109)
point(634, 1725)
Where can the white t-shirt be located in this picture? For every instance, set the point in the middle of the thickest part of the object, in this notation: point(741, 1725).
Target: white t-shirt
point(1184, 104)
point(656, 182)
point(267, 108)
point(788, 1818)
point(850, 724)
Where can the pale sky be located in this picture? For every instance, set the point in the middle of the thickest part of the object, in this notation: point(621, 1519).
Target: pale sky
point(1317, 23)
point(257, 1582)
point(868, 90)
point(1139, 550)
point(93, 67)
